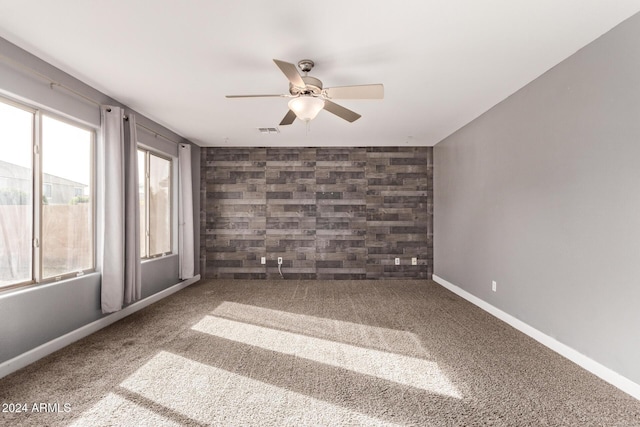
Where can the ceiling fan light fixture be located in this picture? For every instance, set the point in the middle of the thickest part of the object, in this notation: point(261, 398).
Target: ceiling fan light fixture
point(306, 108)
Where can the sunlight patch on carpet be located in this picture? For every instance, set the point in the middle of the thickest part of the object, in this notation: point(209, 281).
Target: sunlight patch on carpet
point(335, 330)
point(214, 396)
point(405, 370)
point(114, 410)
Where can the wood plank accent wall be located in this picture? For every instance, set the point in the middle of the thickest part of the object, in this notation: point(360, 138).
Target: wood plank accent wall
point(330, 213)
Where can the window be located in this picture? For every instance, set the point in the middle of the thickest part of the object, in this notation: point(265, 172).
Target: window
point(46, 222)
point(67, 219)
point(16, 194)
point(154, 183)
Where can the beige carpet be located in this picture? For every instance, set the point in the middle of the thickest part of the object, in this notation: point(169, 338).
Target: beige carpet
point(297, 353)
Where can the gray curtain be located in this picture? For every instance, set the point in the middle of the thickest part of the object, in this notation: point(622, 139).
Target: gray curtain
point(185, 213)
point(120, 237)
point(132, 276)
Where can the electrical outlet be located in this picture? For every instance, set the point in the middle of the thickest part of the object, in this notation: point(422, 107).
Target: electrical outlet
point(263, 260)
point(494, 286)
point(414, 261)
point(397, 261)
point(279, 260)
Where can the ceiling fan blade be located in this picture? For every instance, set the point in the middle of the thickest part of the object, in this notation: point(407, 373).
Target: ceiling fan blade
point(356, 92)
point(288, 118)
point(340, 111)
point(255, 96)
point(291, 72)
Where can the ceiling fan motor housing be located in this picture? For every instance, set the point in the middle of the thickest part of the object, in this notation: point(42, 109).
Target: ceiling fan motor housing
point(313, 86)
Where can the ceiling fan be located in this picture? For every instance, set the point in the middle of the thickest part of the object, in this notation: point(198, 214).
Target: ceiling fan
point(308, 96)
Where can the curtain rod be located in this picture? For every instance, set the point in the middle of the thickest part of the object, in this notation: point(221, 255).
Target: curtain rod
point(48, 79)
point(53, 83)
point(156, 134)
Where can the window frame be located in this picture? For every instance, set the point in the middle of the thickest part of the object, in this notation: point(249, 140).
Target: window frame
point(148, 152)
point(92, 189)
point(37, 177)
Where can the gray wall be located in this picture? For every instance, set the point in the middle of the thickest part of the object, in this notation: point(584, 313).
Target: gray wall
point(32, 316)
point(35, 315)
point(542, 195)
point(331, 213)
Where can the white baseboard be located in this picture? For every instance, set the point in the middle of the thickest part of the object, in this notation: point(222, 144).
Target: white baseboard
point(56, 344)
point(590, 365)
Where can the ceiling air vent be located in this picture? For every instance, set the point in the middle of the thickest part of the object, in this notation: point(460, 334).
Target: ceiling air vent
point(269, 130)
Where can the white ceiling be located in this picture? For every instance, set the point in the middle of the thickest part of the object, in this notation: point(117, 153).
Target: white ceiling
point(442, 62)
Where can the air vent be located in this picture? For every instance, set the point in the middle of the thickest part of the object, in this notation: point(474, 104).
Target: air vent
point(269, 130)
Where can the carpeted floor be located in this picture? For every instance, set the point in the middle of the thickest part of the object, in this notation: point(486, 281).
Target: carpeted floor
point(274, 353)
